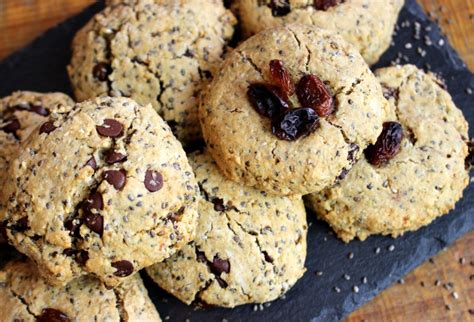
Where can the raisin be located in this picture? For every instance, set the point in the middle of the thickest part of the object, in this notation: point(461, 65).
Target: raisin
point(282, 77)
point(267, 100)
point(280, 7)
point(312, 93)
point(387, 145)
point(295, 123)
point(52, 315)
point(326, 4)
point(101, 71)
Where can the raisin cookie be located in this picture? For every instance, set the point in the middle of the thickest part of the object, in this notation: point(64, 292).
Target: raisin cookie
point(104, 189)
point(367, 24)
point(29, 298)
point(418, 172)
point(158, 52)
point(250, 247)
point(253, 127)
point(21, 113)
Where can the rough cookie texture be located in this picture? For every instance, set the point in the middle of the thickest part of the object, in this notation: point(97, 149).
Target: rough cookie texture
point(104, 189)
point(159, 52)
point(241, 140)
point(29, 298)
point(423, 181)
point(250, 247)
point(21, 113)
point(367, 24)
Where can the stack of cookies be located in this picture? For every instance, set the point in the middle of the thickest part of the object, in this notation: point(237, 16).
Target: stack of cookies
point(95, 191)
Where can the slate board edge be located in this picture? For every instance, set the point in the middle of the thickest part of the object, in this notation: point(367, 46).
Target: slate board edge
point(464, 222)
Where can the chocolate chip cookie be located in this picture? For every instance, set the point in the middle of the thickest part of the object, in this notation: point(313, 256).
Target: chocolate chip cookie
point(21, 113)
point(29, 298)
point(158, 52)
point(367, 24)
point(413, 174)
point(250, 247)
point(105, 189)
point(291, 110)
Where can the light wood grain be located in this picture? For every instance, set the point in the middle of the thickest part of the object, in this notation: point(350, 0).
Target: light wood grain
point(23, 20)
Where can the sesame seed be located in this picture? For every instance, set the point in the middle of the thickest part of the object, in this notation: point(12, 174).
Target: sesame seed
point(462, 260)
point(225, 320)
point(187, 320)
point(350, 255)
point(455, 295)
point(346, 277)
point(441, 42)
point(167, 318)
point(391, 248)
point(255, 308)
point(448, 307)
point(469, 91)
point(355, 289)
point(448, 286)
point(377, 250)
point(401, 281)
point(408, 45)
point(260, 307)
point(364, 280)
point(318, 273)
point(337, 289)
point(431, 260)
point(437, 283)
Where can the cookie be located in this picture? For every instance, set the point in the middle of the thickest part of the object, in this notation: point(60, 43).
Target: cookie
point(367, 24)
point(253, 127)
point(422, 181)
point(250, 247)
point(21, 113)
point(157, 52)
point(105, 189)
point(29, 298)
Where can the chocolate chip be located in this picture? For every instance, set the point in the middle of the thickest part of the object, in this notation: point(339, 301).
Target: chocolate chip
point(267, 257)
point(111, 128)
point(39, 109)
point(21, 224)
point(47, 127)
point(123, 268)
point(95, 201)
point(112, 157)
point(218, 204)
point(153, 180)
point(11, 126)
point(116, 178)
point(82, 257)
point(101, 71)
point(92, 163)
point(200, 256)
point(73, 226)
point(280, 7)
point(326, 4)
point(94, 222)
point(52, 315)
point(219, 266)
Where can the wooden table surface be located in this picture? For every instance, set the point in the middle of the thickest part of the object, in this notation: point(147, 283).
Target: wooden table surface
point(441, 289)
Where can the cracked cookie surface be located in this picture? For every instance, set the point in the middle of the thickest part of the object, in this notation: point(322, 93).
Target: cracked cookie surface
point(105, 189)
point(241, 141)
point(250, 247)
point(158, 52)
point(367, 24)
point(423, 181)
point(29, 298)
point(20, 113)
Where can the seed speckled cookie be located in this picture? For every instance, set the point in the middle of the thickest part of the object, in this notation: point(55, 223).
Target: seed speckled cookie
point(367, 24)
point(250, 247)
point(29, 298)
point(20, 113)
point(159, 52)
point(104, 189)
point(241, 140)
point(423, 181)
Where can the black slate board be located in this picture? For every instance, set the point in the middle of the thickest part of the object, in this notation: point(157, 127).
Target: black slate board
point(41, 67)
